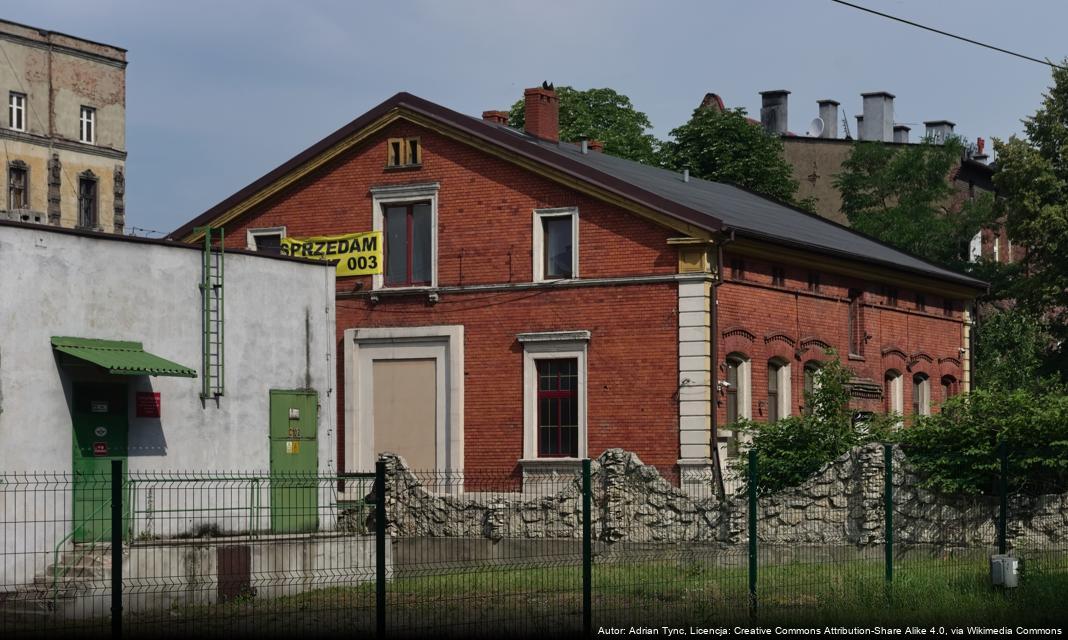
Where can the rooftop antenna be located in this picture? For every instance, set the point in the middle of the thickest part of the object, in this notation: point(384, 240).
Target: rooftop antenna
point(815, 128)
point(845, 125)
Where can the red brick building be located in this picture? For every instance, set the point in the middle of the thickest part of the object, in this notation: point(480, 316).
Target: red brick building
point(542, 301)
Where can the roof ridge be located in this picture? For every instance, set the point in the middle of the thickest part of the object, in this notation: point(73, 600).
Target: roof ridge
point(703, 211)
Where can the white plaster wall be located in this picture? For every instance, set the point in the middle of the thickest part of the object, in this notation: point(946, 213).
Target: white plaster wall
point(280, 334)
point(59, 284)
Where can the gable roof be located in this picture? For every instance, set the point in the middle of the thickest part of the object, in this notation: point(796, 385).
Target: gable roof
point(711, 206)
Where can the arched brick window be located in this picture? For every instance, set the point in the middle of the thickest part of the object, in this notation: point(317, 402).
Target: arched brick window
point(809, 381)
point(778, 389)
point(894, 392)
point(736, 388)
point(949, 387)
point(921, 394)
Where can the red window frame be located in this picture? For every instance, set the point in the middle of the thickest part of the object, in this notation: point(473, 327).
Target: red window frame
point(409, 208)
point(560, 395)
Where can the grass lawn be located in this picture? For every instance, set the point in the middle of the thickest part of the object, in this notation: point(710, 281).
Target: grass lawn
point(652, 592)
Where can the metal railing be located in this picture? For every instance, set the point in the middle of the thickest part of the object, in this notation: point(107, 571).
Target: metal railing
point(86, 549)
point(611, 543)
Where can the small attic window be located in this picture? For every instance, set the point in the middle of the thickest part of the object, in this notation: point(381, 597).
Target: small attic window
point(404, 152)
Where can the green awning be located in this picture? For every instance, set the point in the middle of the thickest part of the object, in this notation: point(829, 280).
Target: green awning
point(120, 357)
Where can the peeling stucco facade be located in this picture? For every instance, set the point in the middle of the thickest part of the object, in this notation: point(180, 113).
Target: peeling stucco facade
point(58, 75)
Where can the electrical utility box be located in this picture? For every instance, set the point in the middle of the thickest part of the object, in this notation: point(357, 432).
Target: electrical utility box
point(1005, 571)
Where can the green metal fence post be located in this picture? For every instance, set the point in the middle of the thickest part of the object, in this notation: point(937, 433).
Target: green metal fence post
point(587, 552)
point(380, 548)
point(1003, 491)
point(752, 486)
point(116, 548)
point(888, 506)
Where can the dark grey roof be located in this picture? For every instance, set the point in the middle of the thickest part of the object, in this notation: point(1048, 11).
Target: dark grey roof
point(756, 216)
point(708, 205)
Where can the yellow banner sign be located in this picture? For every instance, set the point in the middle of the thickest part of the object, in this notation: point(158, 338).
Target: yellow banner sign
point(357, 254)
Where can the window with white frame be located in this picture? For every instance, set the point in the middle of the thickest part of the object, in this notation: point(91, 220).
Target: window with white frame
point(737, 394)
point(554, 394)
point(809, 383)
point(555, 244)
point(88, 125)
point(407, 217)
point(266, 239)
point(778, 389)
point(16, 111)
point(921, 395)
point(893, 392)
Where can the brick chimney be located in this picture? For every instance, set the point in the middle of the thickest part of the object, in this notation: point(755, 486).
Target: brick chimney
point(495, 117)
point(595, 145)
point(542, 112)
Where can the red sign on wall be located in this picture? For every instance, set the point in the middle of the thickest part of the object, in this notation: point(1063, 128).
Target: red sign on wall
point(148, 404)
point(100, 448)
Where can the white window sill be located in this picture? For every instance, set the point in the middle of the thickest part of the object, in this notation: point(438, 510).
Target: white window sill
point(542, 476)
point(417, 289)
point(550, 465)
point(552, 280)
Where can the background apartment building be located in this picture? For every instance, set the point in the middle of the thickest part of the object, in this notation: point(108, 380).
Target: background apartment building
point(63, 133)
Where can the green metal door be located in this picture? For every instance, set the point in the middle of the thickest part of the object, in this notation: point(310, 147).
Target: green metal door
point(294, 461)
point(100, 428)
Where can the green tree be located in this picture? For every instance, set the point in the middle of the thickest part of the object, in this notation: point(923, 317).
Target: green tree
point(604, 115)
point(1032, 183)
point(725, 146)
point(956, 450)
point(1011, 352)
point(902, 195)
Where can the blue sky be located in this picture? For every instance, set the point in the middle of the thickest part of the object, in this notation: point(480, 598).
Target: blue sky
point(220, 92)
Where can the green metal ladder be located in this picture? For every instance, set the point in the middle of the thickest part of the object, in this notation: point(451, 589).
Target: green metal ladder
point(213, 366)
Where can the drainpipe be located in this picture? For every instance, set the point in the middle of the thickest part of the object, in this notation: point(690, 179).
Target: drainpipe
point(971, 313)
point(717, 464)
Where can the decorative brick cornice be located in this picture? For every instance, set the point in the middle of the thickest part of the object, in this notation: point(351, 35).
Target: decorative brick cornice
point(739, 332)
point(779, 336)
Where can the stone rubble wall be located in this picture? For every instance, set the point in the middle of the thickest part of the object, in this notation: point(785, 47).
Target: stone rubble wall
point(631, 502)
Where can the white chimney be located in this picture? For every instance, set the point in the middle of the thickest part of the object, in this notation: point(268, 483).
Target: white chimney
point(939, 130)
point(901, 133)
point(878, 116)
point(829, 115)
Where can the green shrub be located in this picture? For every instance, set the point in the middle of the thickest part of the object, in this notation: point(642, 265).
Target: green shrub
point(791, 450)
point(957, 449)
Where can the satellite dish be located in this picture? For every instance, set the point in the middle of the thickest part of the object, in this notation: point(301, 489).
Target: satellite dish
point(815, 128)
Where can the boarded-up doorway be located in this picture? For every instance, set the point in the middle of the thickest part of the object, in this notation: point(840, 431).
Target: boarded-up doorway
point(405, 410)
